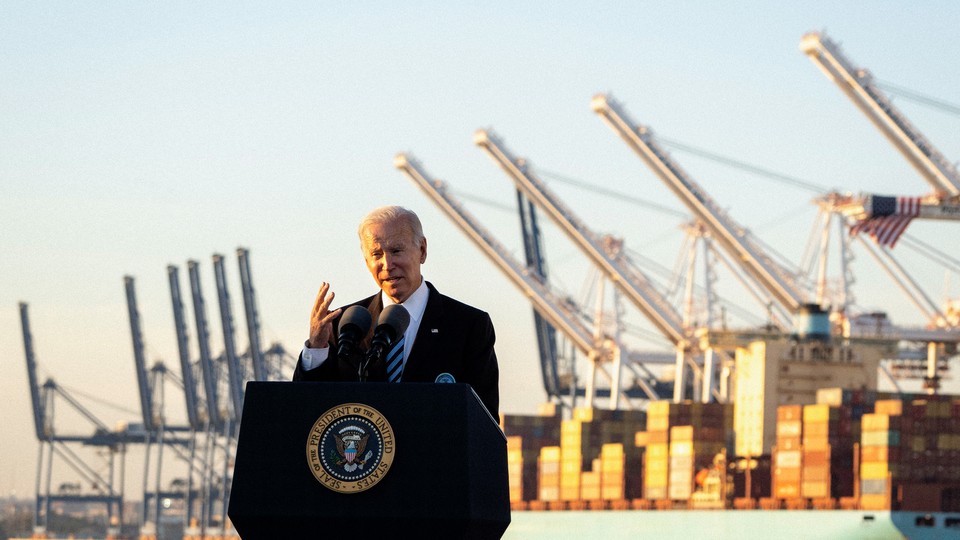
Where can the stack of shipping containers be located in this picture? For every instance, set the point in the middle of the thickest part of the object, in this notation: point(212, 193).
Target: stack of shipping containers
point(526, 436)
point(911, 454)
point(851, 448)
point(879, 453)
point(660, 416)
point(787, 454)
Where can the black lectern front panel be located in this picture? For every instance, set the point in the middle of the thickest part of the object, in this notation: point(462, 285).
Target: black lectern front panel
point(316, 459)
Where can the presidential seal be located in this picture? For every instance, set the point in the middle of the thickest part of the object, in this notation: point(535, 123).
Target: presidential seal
point(350, 448)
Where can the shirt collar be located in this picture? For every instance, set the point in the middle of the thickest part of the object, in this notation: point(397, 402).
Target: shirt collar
point(416, 304)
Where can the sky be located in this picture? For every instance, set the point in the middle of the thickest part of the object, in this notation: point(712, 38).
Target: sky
point(136, 135)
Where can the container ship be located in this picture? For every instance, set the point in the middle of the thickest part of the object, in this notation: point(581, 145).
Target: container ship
point(850, 464)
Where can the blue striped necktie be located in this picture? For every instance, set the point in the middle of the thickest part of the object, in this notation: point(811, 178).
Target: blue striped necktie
point(395, 361)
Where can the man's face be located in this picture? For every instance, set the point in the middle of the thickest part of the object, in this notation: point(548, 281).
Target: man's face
point(393, 259)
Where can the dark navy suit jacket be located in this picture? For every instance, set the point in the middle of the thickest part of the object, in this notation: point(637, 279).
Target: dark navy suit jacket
point(453, 338)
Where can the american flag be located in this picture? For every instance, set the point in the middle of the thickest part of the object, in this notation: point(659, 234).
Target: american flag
point(888, 219)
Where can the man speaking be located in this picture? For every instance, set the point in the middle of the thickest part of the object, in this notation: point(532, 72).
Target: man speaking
point(444, 340)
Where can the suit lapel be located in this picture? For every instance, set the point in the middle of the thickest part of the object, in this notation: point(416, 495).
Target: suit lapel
point(427, 346)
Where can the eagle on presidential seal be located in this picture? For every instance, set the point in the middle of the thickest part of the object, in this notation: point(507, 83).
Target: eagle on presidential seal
point(351, 442)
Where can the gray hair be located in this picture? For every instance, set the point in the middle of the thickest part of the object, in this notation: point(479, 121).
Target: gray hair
point(391, 213)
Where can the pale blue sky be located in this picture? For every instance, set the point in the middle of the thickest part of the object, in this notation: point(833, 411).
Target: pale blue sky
point(135, 135)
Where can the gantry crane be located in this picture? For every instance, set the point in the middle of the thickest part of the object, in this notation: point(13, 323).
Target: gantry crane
point(220, 429)
point(554, 310)
point(106, 488)
point(891, 214)
point(197, 416)
point(158, 430)
point(735, 239)
point(628, 280)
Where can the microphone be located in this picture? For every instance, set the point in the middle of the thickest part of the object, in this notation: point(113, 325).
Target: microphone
point(392, 323)
point(354, 324)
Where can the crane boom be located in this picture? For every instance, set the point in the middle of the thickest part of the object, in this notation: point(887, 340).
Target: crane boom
point(203, 340)
point(186, 369)
point(253, 318)
point(143, 383)
point(543, 300)
point(234, 375)
point(734, 238)
point(630, 281)
point(39, 412)
point(858, 85)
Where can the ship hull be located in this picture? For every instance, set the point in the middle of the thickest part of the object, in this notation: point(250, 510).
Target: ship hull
point(732, 525)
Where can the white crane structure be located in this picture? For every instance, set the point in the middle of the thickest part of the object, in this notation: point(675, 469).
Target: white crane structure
point(894, 213)
point(782, 284)
point(736, 239)
point(558, 312)
point(626, 278)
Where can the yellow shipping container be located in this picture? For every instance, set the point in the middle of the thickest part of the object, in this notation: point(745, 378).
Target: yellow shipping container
point(612, 492)
point(654, 466)
point(550, 453)
point(611, 450)
point(640, 439)
point(584, 414)
point(590, 493)
point(875, 422)
point(681, 448)
point(658, 450)
point(658, 423)
point(571, 426)
point(570, 493)
point(659, 408)
point(876, 470)
point(815, 490)
point(819, 412)
point(571, 466)
point(613, 464)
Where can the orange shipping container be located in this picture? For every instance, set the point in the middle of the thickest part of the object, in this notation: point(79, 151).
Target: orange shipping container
point(787, 474)
point(892, 407)
point(681, 433)
point(815, 490)
point(789, 412)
